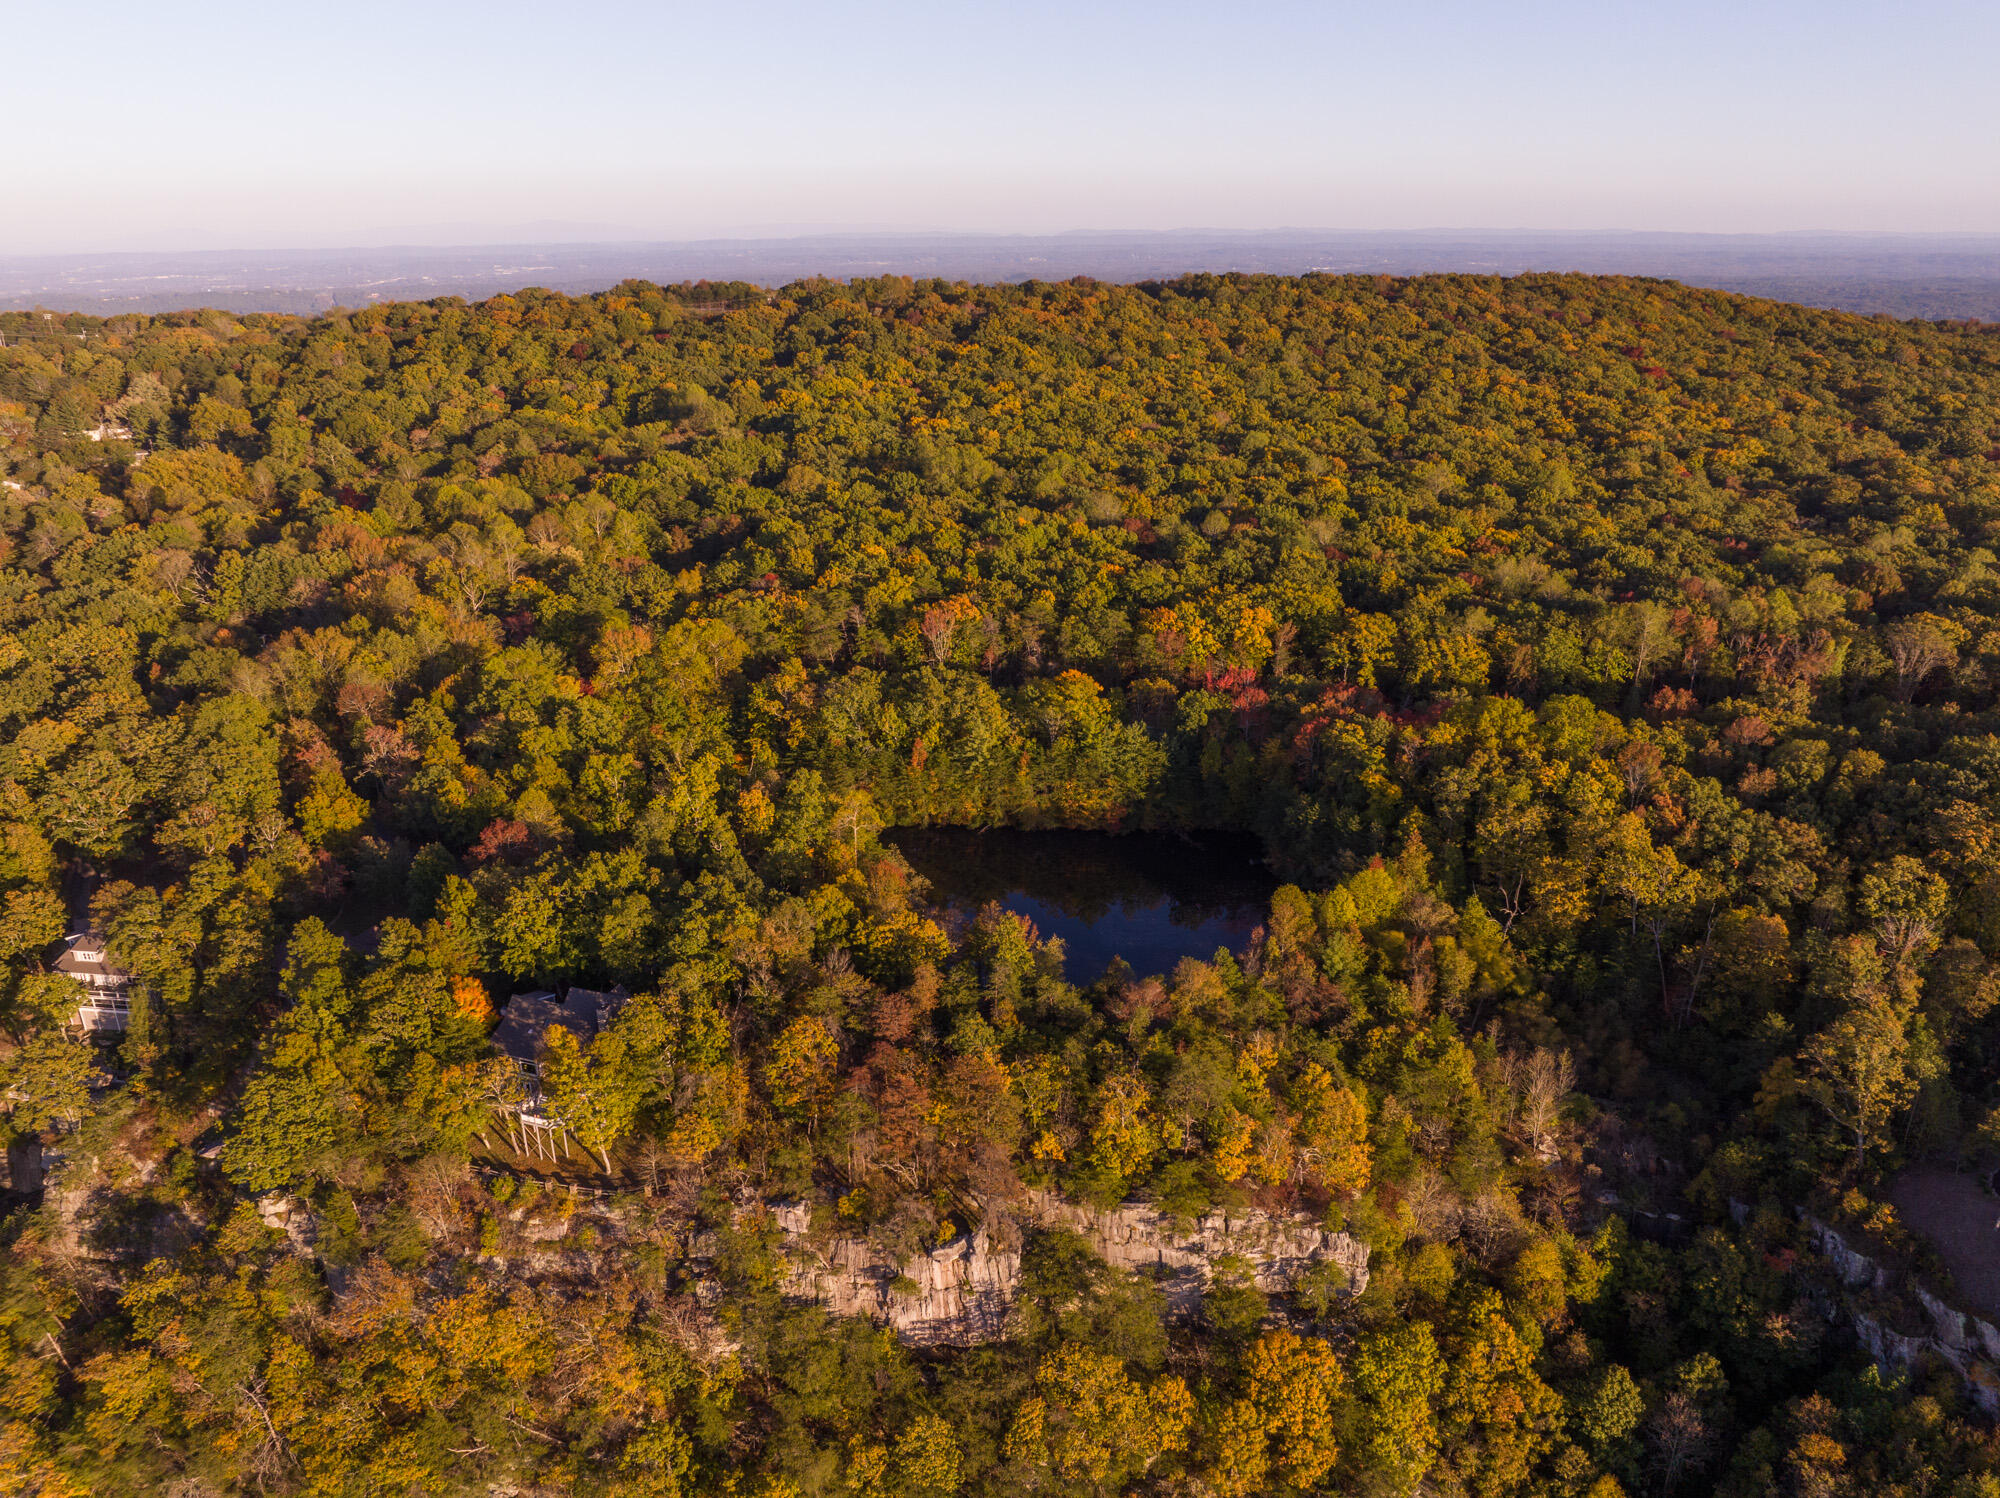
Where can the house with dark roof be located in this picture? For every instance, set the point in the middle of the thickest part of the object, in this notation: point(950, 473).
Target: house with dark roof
point(531, 1127)
point(523, 1022)
point(581, 1011)
point(601, 1008)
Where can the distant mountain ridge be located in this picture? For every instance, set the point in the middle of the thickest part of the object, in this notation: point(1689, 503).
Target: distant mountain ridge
point(1905, 276)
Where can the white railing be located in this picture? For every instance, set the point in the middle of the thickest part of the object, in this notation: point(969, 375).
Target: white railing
point(105, 1009)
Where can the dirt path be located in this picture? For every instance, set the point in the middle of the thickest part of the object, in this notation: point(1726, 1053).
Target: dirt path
point(1957, 1214)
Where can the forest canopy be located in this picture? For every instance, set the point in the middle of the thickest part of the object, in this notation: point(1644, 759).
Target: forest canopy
point(1610, 668)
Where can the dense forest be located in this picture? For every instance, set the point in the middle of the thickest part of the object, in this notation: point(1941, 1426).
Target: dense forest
point(1612, 670)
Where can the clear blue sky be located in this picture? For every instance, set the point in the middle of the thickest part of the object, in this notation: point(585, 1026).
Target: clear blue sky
point(217, 123)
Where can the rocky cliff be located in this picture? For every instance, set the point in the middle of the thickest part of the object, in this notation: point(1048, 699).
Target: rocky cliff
point(961, 1293)
point(957, 1294)
point(1966, 1344)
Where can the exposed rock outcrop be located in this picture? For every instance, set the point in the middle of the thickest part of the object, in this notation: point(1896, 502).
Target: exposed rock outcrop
point(1856, 1270)
point(24, 1166)
point(287, 1215)
point(962, 1292)
point(957, 1294)
point(1183, 1258)
point(1966, 1344)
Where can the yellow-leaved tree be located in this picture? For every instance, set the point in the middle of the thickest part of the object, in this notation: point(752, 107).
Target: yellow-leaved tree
point(1124, 1137)
point(1089, 1423)
point(1278, 1436)
point(1331, 1133)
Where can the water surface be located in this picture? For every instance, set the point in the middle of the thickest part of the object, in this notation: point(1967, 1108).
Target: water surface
point(1151, 898)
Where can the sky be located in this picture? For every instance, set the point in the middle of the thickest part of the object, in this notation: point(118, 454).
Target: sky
point(214, 124)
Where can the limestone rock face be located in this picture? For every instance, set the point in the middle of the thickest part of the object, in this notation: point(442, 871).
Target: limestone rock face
point(956, 1294)
point(962, 1292)
point(1182, 1260)
point(1966, 1344)
point(1856, 1269)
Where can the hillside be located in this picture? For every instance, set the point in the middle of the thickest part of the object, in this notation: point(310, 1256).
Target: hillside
point(1611, 668)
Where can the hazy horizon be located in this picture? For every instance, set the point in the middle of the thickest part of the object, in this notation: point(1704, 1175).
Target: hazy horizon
point(546, 234)
point(1918, 276)
point(232, 127)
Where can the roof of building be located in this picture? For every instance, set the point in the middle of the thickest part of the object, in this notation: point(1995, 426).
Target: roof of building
point(527, 1016)
point(600, 1007)
point(77, 965)
point(581, 1011)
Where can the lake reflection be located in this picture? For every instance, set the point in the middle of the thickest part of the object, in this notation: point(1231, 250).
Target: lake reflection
point(1151, 898)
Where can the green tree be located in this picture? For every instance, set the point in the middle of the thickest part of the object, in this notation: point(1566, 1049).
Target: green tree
point(1396, 1375)
point(1606, 1413)
point(1857, 1070)
point(1905, 902)
point(49, 1082)
point(596, 1093)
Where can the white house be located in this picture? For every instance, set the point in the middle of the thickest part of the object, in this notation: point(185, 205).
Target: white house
point(107, 997)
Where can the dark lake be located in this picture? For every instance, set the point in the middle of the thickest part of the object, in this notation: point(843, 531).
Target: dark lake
point(1151, 898)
